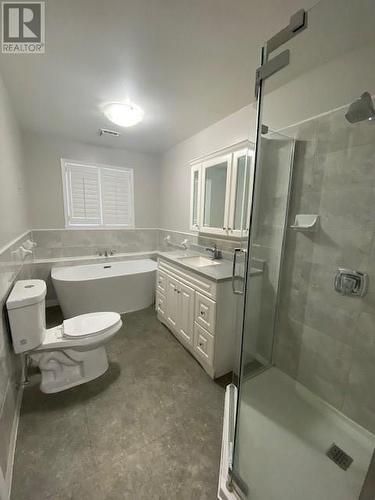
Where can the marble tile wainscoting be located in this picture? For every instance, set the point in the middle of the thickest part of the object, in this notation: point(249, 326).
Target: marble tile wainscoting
point(70, 247)
point(55, 244)
point(11, 269)
point(67, 243)
point(325, 340)
point(196, 241)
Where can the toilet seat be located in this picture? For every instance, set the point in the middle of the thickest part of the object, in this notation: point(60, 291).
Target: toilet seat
point(86, 325)
point(82, 332)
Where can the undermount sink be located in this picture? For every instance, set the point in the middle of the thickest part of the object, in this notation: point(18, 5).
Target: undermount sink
point(198, 261)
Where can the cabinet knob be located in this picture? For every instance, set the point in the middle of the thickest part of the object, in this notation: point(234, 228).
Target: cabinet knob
point(200, 344)
point(202, 313)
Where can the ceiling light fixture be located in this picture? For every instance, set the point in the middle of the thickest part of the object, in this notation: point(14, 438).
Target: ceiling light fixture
point(125, 114)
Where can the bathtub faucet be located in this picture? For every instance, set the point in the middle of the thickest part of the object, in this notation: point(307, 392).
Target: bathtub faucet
point(106, 253)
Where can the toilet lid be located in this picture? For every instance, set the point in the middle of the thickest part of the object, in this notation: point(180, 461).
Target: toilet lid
point(90, 324)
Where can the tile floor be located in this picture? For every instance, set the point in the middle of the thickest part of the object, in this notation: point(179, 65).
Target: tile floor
point(150, 428)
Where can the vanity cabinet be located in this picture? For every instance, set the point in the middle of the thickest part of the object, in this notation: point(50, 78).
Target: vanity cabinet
point(200, 313)
point(221, 192)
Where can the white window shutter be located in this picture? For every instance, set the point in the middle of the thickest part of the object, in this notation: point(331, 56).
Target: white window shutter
point(97, 195)
point(117, 196)
point(83, 194)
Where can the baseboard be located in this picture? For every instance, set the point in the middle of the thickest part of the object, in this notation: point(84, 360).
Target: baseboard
point(12, 445)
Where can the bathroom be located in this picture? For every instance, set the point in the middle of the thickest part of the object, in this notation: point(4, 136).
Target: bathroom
point(187, 241)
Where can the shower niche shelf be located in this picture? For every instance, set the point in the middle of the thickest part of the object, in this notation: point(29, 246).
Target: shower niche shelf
point(306, 223)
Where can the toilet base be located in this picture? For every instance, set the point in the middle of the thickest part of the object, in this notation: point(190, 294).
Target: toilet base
point(67, 368)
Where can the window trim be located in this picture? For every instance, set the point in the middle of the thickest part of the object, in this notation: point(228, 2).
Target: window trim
point(64, 163)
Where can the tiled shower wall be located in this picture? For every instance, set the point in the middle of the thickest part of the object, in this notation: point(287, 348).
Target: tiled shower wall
point(325, 340)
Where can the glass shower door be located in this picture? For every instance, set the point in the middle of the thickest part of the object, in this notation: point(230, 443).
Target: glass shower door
point(306, 407)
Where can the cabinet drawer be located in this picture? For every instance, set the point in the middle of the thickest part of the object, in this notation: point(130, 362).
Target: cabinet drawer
point(205, 310)
point(203, 345)
point(161, 282)
point(160, 305)
point(189, 278)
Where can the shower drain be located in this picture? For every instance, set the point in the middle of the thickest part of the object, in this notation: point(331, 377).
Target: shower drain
point(337, 455)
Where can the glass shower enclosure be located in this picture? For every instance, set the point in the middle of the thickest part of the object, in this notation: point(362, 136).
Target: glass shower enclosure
point(304, 427)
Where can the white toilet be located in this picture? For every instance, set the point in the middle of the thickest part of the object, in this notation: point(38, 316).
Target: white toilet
point(69, 354)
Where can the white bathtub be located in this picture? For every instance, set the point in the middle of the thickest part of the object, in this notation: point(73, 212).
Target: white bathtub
point(121, 287)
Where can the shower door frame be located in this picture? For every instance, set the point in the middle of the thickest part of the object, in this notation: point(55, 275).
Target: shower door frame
point(267, 68)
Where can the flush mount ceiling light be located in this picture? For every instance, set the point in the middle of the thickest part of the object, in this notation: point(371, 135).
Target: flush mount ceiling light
point(125, 114)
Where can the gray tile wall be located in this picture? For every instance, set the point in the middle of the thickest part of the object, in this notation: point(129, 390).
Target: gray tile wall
point(11, 268)
point(60, 244)
point(52, 244)
point(63, 244)
point(325, 340)
point(196, 242)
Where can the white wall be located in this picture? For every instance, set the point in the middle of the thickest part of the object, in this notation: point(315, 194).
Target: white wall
point(44, 183)
point(175, 169)
point(13, 204)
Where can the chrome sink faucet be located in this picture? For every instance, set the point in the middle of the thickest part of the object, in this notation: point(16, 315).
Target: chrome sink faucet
point(215, 253)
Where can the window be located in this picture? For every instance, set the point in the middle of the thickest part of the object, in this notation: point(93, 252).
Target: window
point(97, 195)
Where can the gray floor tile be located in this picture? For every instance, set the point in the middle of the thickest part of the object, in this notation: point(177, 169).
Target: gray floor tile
point(150, 428)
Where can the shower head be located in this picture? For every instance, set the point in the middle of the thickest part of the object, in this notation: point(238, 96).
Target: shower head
point(361, 109)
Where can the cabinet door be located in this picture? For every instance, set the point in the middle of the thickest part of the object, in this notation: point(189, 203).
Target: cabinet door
point(215, 194)
point(241, 192)
point(160, 305)
point(195, 197)
point(185, 325)
point(172, 302)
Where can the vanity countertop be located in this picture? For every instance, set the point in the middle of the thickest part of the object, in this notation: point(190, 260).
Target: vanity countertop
point(220, 272)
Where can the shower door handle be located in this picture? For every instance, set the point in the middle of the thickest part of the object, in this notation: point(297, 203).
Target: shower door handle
point(240, 290)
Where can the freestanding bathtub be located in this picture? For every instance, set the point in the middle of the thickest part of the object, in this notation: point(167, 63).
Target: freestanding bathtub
point(121, 286)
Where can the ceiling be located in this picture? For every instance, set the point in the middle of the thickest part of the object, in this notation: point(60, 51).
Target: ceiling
point(187, 63)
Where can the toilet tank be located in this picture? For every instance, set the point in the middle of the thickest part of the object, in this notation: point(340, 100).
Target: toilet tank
point(27, 317)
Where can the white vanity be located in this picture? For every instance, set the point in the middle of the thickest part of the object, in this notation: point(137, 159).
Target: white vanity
point(194, 299)
point(194, 295)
